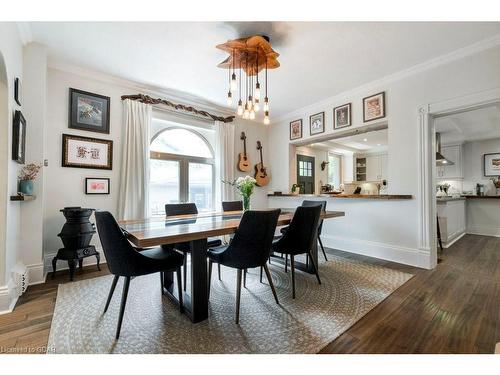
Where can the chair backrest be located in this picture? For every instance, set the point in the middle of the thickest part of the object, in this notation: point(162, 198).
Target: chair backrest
point(232, 206)
point(121, 257)
point(173, 209)
point(307, 203)
point(302, 231)
point(251, 244)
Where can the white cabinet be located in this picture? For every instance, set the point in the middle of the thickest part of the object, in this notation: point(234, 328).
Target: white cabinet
point(450, 172)
point(451, 216)
point(376, 167)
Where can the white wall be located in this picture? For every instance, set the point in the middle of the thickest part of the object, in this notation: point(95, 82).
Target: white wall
point(473, 163)
point(11, 50)
point(456, 76)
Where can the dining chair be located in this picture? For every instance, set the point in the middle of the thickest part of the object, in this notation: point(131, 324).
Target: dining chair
point(250, 248)
point(308, 203)
point(232, 206)
point(299, 238)
point(174, 209)
point(124, 261)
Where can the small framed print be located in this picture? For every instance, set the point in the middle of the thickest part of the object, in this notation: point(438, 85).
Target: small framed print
point(17, 90)
point(296, 129)
point(342, 116)
point(491, 165)
point(96, 185)
point(84, 152)
point(374, 107)
point(88, 111)
point(19, 138)
point(317, 123)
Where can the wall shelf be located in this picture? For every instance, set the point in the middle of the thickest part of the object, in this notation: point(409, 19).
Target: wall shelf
point(22, 198)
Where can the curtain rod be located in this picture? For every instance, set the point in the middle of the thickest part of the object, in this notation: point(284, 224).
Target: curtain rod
point(149, 100)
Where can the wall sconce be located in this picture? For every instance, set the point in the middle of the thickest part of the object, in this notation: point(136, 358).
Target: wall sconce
point(324, 164)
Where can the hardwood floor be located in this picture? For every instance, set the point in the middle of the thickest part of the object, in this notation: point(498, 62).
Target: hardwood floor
point(454, 308)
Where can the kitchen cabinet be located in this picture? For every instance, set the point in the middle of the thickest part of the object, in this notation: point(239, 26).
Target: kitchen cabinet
point(376, 167)
point(451, 216)
point(451, 172)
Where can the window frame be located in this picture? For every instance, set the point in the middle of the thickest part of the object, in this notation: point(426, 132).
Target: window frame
point(184, 161)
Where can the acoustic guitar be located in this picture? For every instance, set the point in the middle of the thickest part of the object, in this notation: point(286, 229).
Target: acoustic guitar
point(261, 175)
point(243, 162)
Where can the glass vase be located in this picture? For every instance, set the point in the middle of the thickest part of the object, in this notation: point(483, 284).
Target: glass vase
point(246, 203)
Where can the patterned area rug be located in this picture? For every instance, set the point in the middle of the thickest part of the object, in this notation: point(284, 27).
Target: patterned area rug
point(153, 324)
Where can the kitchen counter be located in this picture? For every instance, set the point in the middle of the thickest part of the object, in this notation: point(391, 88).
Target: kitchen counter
point(346, 196)
point(449, 199)
point(481, 196)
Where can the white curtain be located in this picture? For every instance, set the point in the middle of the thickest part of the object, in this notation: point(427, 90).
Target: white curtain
point(133, 195)
point(225, 162)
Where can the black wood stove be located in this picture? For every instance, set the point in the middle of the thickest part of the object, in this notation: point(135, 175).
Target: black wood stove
point(76, 235)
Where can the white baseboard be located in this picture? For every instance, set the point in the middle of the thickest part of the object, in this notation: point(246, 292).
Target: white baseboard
point(63, 265)
point(8, 299)
point(484, 230)
point(413, 257)
point(449, 243)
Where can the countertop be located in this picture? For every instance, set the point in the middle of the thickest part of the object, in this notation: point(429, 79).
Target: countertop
point(345, 196)
point(450, 199)
point(481, 196)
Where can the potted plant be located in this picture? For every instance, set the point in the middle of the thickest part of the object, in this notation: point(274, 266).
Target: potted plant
point(496, 182)
point(26, 177)
point(295, 189)
point(244, 186)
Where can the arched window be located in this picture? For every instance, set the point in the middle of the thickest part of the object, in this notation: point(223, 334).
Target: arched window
point(181, 170)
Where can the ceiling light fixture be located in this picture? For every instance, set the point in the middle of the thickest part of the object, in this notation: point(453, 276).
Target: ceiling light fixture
point(252, 55)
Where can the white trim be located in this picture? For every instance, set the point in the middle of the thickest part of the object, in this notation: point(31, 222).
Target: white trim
point(25, 32)
point(405, 73)
point(63, 265)
point(405, 255)
point(35, 274)
point(492, 231)
point(448, 244)
point(8, 299)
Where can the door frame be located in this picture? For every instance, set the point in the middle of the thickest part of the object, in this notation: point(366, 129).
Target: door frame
point(427, 208)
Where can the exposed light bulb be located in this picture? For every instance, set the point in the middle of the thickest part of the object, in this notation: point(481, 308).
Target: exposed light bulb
point(234, 83)
point(266, 117)
point(229, 98)
point(252, 115)
point(246, 113)
point(257, 91)
point(256, 106)
point(240, 108)
point(266, 104)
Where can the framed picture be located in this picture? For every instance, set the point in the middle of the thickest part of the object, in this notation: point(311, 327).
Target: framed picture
point(317, 123)
point(296, 129)
point(96, 185)
point(374, 107)
point(491, 165)
point(19, 138)
point(342, 116)
point(88, 111)
point(84, 152)
point(17, 90)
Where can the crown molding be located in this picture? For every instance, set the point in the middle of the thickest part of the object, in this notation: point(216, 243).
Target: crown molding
point(25, 32)
point(136, 87)
point(458, 54)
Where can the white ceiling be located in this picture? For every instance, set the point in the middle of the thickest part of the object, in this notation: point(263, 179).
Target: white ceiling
point(318, 59)
point(474, 125)
point(374, 141)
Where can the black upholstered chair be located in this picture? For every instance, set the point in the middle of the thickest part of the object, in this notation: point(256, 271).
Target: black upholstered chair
point(232, 206)
point(174, 209)
point(299, 238)
point(124, 260)
point(307, 203)
point(250, 248)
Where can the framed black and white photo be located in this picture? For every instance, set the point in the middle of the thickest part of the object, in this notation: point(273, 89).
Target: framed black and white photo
point(317, 123)
point(84, 152)
point(374, 107)
point(491, 165)
point(17, 90)
point(88, 111)
point(98, 186)
point(19, 138)
point(342, 116)
point(296, 129)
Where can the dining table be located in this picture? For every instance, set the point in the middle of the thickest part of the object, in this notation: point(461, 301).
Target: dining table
point(196, 229)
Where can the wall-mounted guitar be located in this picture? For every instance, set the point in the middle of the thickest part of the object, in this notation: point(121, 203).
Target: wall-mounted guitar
point(243, 162)
point(261, 175)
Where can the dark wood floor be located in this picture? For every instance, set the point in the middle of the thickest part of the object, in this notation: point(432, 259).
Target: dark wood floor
point(454, 308)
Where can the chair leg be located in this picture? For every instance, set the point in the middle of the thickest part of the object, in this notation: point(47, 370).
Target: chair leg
point(261, 275)
point(322, 248)
point(218, 270)
point(209, 277)
point(161, 282)
point(179, 289)
point(270, 279)
point(307, 260)
point(315, 269)
point(238, 295)
point(122, 306)
point(111, 291)
point(292, 267)
point(184, 266)
point(245, 278)
point(286, 262)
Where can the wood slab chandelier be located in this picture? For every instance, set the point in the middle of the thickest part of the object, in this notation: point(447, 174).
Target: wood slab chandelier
point(251, 55)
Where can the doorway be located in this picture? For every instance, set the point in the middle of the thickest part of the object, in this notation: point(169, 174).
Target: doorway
point(4, 123)
point(305, 174)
